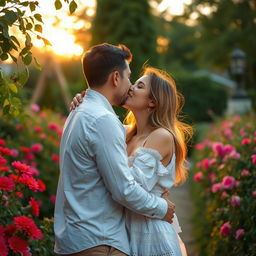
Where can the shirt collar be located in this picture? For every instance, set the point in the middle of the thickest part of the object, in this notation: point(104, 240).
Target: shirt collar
point(100, 98)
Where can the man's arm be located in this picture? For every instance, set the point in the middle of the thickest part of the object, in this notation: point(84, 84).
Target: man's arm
point(112, 162)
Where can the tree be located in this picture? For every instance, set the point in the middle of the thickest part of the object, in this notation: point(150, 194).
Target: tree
point(223, 25)
point(176, 43)
point(130, 23)
point(16, 28)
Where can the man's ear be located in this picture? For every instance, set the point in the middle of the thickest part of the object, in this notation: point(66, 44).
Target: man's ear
point(115, 78)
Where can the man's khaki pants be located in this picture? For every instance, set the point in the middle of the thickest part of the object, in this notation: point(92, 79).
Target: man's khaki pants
point(101, 250)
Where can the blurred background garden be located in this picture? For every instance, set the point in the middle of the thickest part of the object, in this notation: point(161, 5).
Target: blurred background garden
point(208, 46)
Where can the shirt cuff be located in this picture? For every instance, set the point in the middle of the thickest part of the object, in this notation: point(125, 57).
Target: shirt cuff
point(162, 209)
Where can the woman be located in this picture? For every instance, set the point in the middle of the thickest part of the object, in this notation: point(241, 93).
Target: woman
point(157, 155)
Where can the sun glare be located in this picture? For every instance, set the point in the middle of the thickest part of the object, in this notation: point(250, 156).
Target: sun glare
point(59, 28)
point(174, 7)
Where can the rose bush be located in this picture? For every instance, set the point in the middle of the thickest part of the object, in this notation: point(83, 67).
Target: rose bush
point(35, 142)
point(224, 188)
point(21, 230)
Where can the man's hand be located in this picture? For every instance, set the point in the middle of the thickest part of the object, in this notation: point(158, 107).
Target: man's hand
point(170, 212)
point(77, 100)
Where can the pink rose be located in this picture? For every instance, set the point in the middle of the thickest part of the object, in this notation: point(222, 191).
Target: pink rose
point(254, 194)
point(199, 146)
point(245, 173)
point(225, 229)
point(243, 132)
point(221, 166)
point(29, 157)
point(55, 158)
point(35, 108)
point(221, 150)
point(216, 187)
point(53, 126)
point(253, 159)
point(228, 132)
point(2, 142)
point(235, 201)
point(229, 182)
point(224, 195)
point(211, 176)
point(234, 155)
point(246, 141)
point(15, 152)
point(239, 233)
point(53, 199)
point(42, 136)
point(198, 176)
point(38, 129)
point(36, 148)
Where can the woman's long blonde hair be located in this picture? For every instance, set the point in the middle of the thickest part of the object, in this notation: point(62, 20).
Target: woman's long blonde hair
point(168, 104)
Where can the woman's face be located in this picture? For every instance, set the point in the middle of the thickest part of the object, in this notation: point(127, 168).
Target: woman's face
point(138, 97)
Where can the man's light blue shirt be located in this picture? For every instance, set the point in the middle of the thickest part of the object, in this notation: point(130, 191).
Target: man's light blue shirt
point(95, 181)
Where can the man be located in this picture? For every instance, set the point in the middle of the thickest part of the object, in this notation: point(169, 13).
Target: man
point(95, 181)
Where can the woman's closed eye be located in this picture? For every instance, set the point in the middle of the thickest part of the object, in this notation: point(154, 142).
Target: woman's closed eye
point(140, 85)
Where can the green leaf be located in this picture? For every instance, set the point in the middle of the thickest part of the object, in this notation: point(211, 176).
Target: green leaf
point(6, 103)
point(23, 77)
point(6, 110)
point(4, 57)
point(24, 51)
point(32, 7)
point(2, 2)
point(11, 17)
point(72, 6)
point(16, 100)
point(22, 26)
point(29, 26)
point(13, 45)
point(58, 4)
point(27, 59)
point(37, 65)
point(5, 28)
point(32, 19)
point(38, 28)
point(38, 17)
point(46, 42)
point(13, 88)
point(1, 76)
point(15, 40)
point(13, 58)
point(14, 111)
point(26, 3)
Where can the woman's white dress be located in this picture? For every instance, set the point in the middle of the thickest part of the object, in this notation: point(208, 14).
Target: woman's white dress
point(153, 237)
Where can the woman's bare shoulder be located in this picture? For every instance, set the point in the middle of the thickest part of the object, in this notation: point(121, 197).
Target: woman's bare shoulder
point(161, 140)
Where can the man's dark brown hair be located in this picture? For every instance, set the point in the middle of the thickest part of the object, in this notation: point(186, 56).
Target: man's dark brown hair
point(100, 60)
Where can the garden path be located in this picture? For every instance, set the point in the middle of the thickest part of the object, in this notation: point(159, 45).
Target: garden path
point(184, 209)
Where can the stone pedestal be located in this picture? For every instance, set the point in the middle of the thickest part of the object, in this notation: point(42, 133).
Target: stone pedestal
point(239, 106)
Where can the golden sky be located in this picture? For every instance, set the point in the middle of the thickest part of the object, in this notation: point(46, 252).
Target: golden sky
point(59, 26)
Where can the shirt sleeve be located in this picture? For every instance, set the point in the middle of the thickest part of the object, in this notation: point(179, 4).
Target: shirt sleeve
point(112, 162)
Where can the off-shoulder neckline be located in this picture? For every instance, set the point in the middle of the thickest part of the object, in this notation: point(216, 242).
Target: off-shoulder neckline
point(153, 152)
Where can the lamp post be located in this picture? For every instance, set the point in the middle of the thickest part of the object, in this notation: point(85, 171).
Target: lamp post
point(239, 103)
point(237, 70)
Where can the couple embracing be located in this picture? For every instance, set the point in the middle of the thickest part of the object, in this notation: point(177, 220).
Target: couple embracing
point(112, 196)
